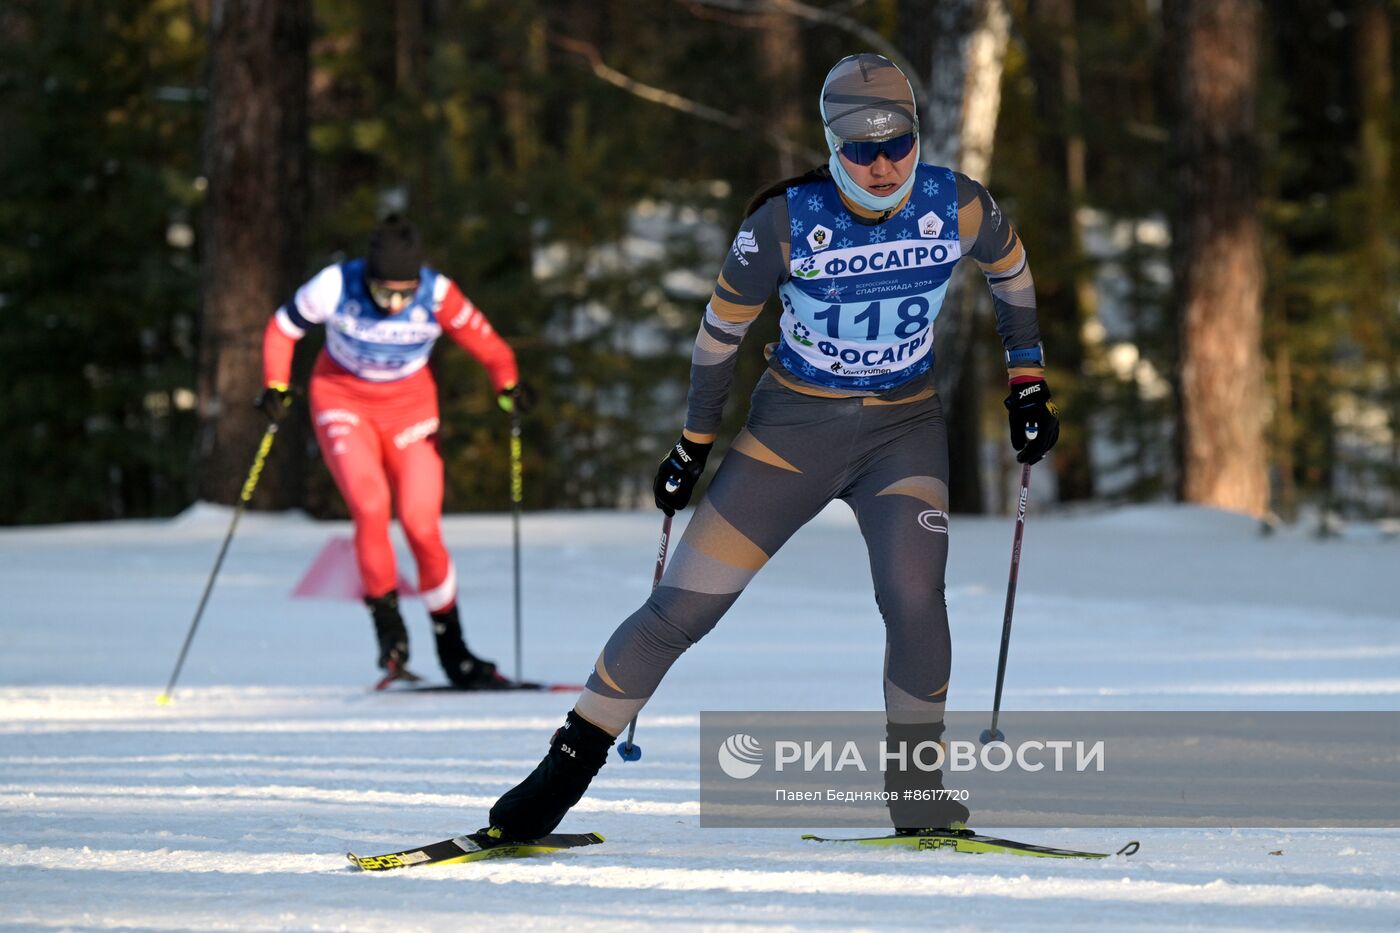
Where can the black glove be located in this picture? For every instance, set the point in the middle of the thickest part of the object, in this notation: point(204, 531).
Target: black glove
point(275, 401)
point(516, 398)
point(678, 474)
point(1035, 425)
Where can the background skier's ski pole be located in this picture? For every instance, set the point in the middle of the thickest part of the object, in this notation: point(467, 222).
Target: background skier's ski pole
point(993, 734)
point(249, 485)
point(627, 748)
point(517, 495)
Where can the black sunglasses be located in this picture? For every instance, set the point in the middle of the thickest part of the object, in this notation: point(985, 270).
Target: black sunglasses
point(865, 152)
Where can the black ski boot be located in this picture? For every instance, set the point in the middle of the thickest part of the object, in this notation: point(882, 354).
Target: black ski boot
point(917, 805)
point(389, 629)
point(464, 669)
point(536, 805)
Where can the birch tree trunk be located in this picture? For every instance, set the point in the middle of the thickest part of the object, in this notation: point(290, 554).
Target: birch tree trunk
point(964, 42)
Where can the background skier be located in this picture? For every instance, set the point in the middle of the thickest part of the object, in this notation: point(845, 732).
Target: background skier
point(374, 407)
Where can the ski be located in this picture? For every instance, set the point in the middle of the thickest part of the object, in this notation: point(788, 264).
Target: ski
point(502, 686)
point(970, 842)
point(396, 675)
point(473, 847)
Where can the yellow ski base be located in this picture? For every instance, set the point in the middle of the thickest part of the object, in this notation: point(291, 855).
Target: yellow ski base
point(973, 844)
point(476, 847)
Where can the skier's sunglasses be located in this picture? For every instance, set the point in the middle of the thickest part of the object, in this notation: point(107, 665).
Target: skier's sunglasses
point(865, 152)
point(383, 295)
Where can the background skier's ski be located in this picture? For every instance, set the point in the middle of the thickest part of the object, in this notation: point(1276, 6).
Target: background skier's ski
point(499, 687)
point(970, 842)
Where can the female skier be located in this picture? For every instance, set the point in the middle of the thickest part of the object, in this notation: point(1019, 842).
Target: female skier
point(375, 411)
point(860, 252)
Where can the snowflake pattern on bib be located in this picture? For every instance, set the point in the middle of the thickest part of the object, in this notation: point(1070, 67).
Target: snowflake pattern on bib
point(858, 314)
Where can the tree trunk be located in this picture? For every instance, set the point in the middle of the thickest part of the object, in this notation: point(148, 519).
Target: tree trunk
point(1065, 287)
point(780, 63)
point(1220, 267)
point(964, 43)
point(986, 60)
point(1378, 325)
point(1286, 429)
point(255, 163)
point(409, 46)
point(935, 38)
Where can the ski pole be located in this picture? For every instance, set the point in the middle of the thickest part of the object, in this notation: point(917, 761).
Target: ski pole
point(629, 750)
point(994, 734)
point(517, 494)
point(249, 485)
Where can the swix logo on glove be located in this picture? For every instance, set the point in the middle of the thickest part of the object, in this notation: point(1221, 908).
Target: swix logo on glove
point(1032, 389)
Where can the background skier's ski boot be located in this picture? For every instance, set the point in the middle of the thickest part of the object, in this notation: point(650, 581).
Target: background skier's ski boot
point(921, 811)
point(389, 629)
point(463, 669)
point(535, 806)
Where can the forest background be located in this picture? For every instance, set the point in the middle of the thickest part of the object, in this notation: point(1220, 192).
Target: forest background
point(1206, 190)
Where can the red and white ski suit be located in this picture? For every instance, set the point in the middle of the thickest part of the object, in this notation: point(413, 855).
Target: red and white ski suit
point(375, 409)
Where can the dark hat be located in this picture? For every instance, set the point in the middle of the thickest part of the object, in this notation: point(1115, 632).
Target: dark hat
point(395, 251)
point(866, 96)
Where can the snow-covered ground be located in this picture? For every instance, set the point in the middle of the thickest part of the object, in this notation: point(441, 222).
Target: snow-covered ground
point(232, 808)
